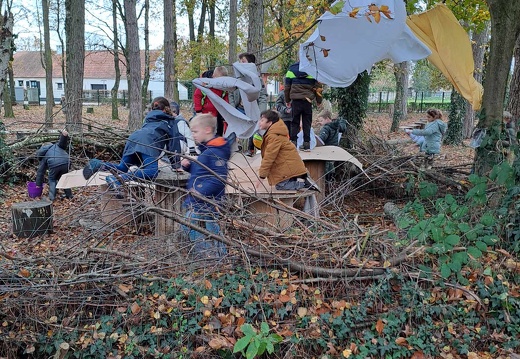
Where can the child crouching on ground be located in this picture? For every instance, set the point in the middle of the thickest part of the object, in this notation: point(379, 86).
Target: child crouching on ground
point(214, 154)
point(281, 163)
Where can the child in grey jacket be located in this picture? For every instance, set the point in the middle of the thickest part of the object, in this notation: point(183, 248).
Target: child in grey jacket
point(433, 133)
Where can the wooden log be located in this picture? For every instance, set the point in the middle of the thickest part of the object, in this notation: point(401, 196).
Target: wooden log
point(168, 196)
point(31, 219)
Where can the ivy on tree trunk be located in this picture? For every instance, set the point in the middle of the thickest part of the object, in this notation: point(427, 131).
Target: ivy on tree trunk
point(455, 119)
point(352, 104)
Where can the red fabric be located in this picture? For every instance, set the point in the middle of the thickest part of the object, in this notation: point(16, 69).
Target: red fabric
point(208, 106)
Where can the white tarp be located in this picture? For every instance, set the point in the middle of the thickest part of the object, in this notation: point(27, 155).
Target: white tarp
point(249, 85)
point(352, 41)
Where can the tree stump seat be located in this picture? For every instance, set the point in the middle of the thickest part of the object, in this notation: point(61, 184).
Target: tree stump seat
point(168, 196)
point(31, 219)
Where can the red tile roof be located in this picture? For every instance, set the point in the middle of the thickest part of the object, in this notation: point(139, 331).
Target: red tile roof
point(98, 64)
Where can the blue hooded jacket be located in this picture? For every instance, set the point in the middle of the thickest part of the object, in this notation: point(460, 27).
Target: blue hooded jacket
point(159, 132)
point(215, 155)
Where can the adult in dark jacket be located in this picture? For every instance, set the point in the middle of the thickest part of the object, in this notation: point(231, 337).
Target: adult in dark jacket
point(144, 147)
point(300, 90)
point(56, 159)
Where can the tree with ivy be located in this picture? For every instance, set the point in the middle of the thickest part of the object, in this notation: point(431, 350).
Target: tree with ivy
point(455, 119)
point(352, 101)
point(505, 29)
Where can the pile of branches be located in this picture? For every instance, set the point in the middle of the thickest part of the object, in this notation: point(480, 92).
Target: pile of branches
point(86, 269)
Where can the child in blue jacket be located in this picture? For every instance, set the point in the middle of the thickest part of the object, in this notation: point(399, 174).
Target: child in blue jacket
point(144, 147)
point(215, 152)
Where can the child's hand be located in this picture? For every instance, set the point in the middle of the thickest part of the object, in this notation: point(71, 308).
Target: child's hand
point(408, 131)
point(185, 162)
point(64, 132)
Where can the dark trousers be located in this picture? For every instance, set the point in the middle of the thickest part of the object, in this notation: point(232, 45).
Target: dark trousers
point(221, 125)
point(301, 111)
point(54, 177)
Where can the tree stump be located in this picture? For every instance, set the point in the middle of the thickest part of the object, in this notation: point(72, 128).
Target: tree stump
point(31, 219)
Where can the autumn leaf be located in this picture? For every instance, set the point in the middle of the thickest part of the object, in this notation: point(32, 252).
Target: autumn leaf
point(337, 7)
point(204, 300)
point(24, 273)
point(380, 326)
point(418, 355)
point(401, 341)
point(347, 353)
point(135, 308)
point(322, 38)
point(302, 312)
point(325, 52)
point(385, 11)
point(354, 12)
point(377, 16)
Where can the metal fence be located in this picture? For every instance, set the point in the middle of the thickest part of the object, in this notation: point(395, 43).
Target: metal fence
point(383, 101)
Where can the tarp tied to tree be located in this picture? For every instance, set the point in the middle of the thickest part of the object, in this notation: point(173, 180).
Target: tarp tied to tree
point(352, 36)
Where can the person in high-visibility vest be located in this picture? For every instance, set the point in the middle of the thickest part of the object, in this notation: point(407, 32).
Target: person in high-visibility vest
point(300, 90)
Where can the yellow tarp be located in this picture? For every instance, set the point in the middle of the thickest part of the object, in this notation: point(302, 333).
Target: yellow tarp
point(451, 50)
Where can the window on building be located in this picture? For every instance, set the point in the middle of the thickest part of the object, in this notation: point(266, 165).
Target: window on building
point(98, 86)
point(20, 82)
point(59, 85)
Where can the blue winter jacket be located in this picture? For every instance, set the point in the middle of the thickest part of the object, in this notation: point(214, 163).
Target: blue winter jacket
point(215, 155)
point(432, 133)
point(159, 132)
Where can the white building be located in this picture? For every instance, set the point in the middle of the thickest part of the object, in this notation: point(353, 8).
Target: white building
point(99, 74)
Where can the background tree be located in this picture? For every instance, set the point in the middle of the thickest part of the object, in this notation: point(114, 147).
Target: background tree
point(401, 94)
point(75, 57)
point(514, 89)
point(255, 30)
point(233, 36)
point(170, 82)
point(133, 61)
point(456, 116)
point(6, 41)
point(146, 77)
point(479, 44)
point(352, 101)
point(47, 55)
point(115, 40)
point(505, 29)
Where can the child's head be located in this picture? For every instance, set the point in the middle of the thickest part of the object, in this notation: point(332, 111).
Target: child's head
point(507, 117)
point(247, 57)
point(267, 118)
point(161, 104)
point(203, 127)
point(324, 117)
point(433, 114)
point(220, 71)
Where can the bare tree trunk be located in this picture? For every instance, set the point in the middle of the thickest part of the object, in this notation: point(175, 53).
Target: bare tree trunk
point(49, 103)
point(63, 49)
point(75, 30)
point(479, 41)
point(115, 89)
point(197, 57)
point(256, 29)
point(146, 80)
point(514, 87)
point(213, 57)
point(233, 37)
point(505, 29)
point(401, 94)
point(133, 59)
point(169, 54)
point(6, 41)
point(8, 94)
